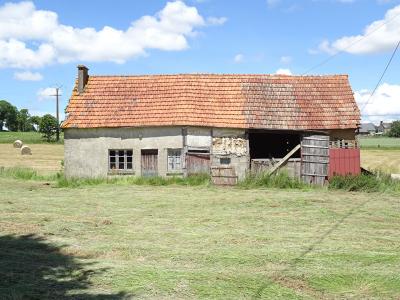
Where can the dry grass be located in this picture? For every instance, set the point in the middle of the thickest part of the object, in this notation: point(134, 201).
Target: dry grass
point(196, 242)
point(384, 160)
point(45, 159)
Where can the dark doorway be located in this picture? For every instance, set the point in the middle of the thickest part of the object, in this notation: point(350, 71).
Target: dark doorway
point(273, 144)
point(149, 162)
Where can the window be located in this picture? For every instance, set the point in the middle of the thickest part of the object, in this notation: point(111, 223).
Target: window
point(225, 160)
point(174, 159)
point(120, 160)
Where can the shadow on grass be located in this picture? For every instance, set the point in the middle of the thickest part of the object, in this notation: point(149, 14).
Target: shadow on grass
point(31, 268)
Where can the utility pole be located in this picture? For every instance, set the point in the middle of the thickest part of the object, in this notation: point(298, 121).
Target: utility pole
point(57, 95)
point(57, 113)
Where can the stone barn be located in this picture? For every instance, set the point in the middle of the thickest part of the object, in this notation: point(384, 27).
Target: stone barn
point(226, 125)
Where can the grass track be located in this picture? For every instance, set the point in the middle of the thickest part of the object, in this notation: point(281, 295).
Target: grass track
point(186, 242)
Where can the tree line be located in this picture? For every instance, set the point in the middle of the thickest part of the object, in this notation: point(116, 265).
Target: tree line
point(21, 120)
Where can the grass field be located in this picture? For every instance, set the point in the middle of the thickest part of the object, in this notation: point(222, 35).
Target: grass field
point(115, 242)
point(45, 158)
point(26, 137)
point(379, 143)
point(385, 160)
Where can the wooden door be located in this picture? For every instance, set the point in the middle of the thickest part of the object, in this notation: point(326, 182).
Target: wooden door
point(150, 162)
point(198, 163)
point(315, 159)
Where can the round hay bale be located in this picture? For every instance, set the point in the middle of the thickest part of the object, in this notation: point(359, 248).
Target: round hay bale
point(25, 150)
point(17, 144)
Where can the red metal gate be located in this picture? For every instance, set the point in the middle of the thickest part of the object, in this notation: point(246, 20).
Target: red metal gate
point(344, 161)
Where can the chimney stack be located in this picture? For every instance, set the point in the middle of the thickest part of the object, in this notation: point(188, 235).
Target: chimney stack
point(83, 77)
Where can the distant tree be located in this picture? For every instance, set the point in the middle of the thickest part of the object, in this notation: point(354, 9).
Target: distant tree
point(8, 116)
point(35, 122)
point(23, 119)
point(395, 129)
point(48, 127)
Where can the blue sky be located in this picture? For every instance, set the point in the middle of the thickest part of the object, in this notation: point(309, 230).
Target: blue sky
point(41, 42)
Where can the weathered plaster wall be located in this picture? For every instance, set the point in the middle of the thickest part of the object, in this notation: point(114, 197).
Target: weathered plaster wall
point(86, 150)
point(198, 137)
point(233, 144)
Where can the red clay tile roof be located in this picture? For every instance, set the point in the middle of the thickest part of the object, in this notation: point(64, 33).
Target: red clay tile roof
point(234, 101)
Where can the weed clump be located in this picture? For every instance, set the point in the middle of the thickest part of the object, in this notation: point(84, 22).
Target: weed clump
point(280, 180)
point(376, 182)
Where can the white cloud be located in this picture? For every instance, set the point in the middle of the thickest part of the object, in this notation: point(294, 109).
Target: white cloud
point(283, 72)
point(379, 36)
point(238, 58)
point(22, 25)
point(15, 54)
point(272, 3)
point(384, 105)
point(216, 21)
point(286, 59)
point(47, 93)
point(28, 76)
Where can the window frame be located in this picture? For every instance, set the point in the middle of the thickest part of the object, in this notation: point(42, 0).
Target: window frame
point(117, 161)
point(174, 158)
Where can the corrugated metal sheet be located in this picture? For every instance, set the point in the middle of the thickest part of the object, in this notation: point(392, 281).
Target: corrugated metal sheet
point(344, 162)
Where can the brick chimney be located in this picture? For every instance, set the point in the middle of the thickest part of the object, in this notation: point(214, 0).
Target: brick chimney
point(83, 77)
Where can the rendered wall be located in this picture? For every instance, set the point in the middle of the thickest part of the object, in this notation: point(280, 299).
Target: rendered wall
point(86, 150)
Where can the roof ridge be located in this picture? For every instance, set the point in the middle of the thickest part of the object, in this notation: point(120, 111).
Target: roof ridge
point(225, 74)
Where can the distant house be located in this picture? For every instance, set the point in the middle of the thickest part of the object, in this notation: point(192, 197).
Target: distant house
point(384, 128)
point(178, 125)
point(367, 129)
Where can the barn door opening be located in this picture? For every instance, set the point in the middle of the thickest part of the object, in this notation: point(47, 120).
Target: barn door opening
point(198, 162)
point(149, 162)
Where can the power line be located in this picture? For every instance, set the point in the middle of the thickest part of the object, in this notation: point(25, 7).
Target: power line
point(380, 79)
point(349, 46)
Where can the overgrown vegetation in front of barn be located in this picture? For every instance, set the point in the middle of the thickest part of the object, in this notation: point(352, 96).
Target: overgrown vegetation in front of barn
point(374, 182)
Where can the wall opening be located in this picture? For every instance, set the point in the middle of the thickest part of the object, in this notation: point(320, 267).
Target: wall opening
point(270, 145)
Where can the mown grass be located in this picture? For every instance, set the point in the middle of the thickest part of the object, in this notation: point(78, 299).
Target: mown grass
point(379, 142)
point(45, 159)
point(32, 137)
point(191, 242)
point(383, 160)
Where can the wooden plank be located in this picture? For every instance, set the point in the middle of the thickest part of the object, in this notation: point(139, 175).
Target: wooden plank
point(315, 146)
point(198, 163)
point(283, 160)
point(315, 159)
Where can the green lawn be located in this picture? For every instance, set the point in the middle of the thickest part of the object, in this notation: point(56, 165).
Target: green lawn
point(376, 142)
point(115, 242)
point(26, 137)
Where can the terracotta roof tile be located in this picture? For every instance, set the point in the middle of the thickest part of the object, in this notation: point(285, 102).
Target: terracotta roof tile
point(236, 101)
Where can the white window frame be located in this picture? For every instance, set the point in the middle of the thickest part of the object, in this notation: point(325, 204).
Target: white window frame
point(127, 165)
point(174, 161)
